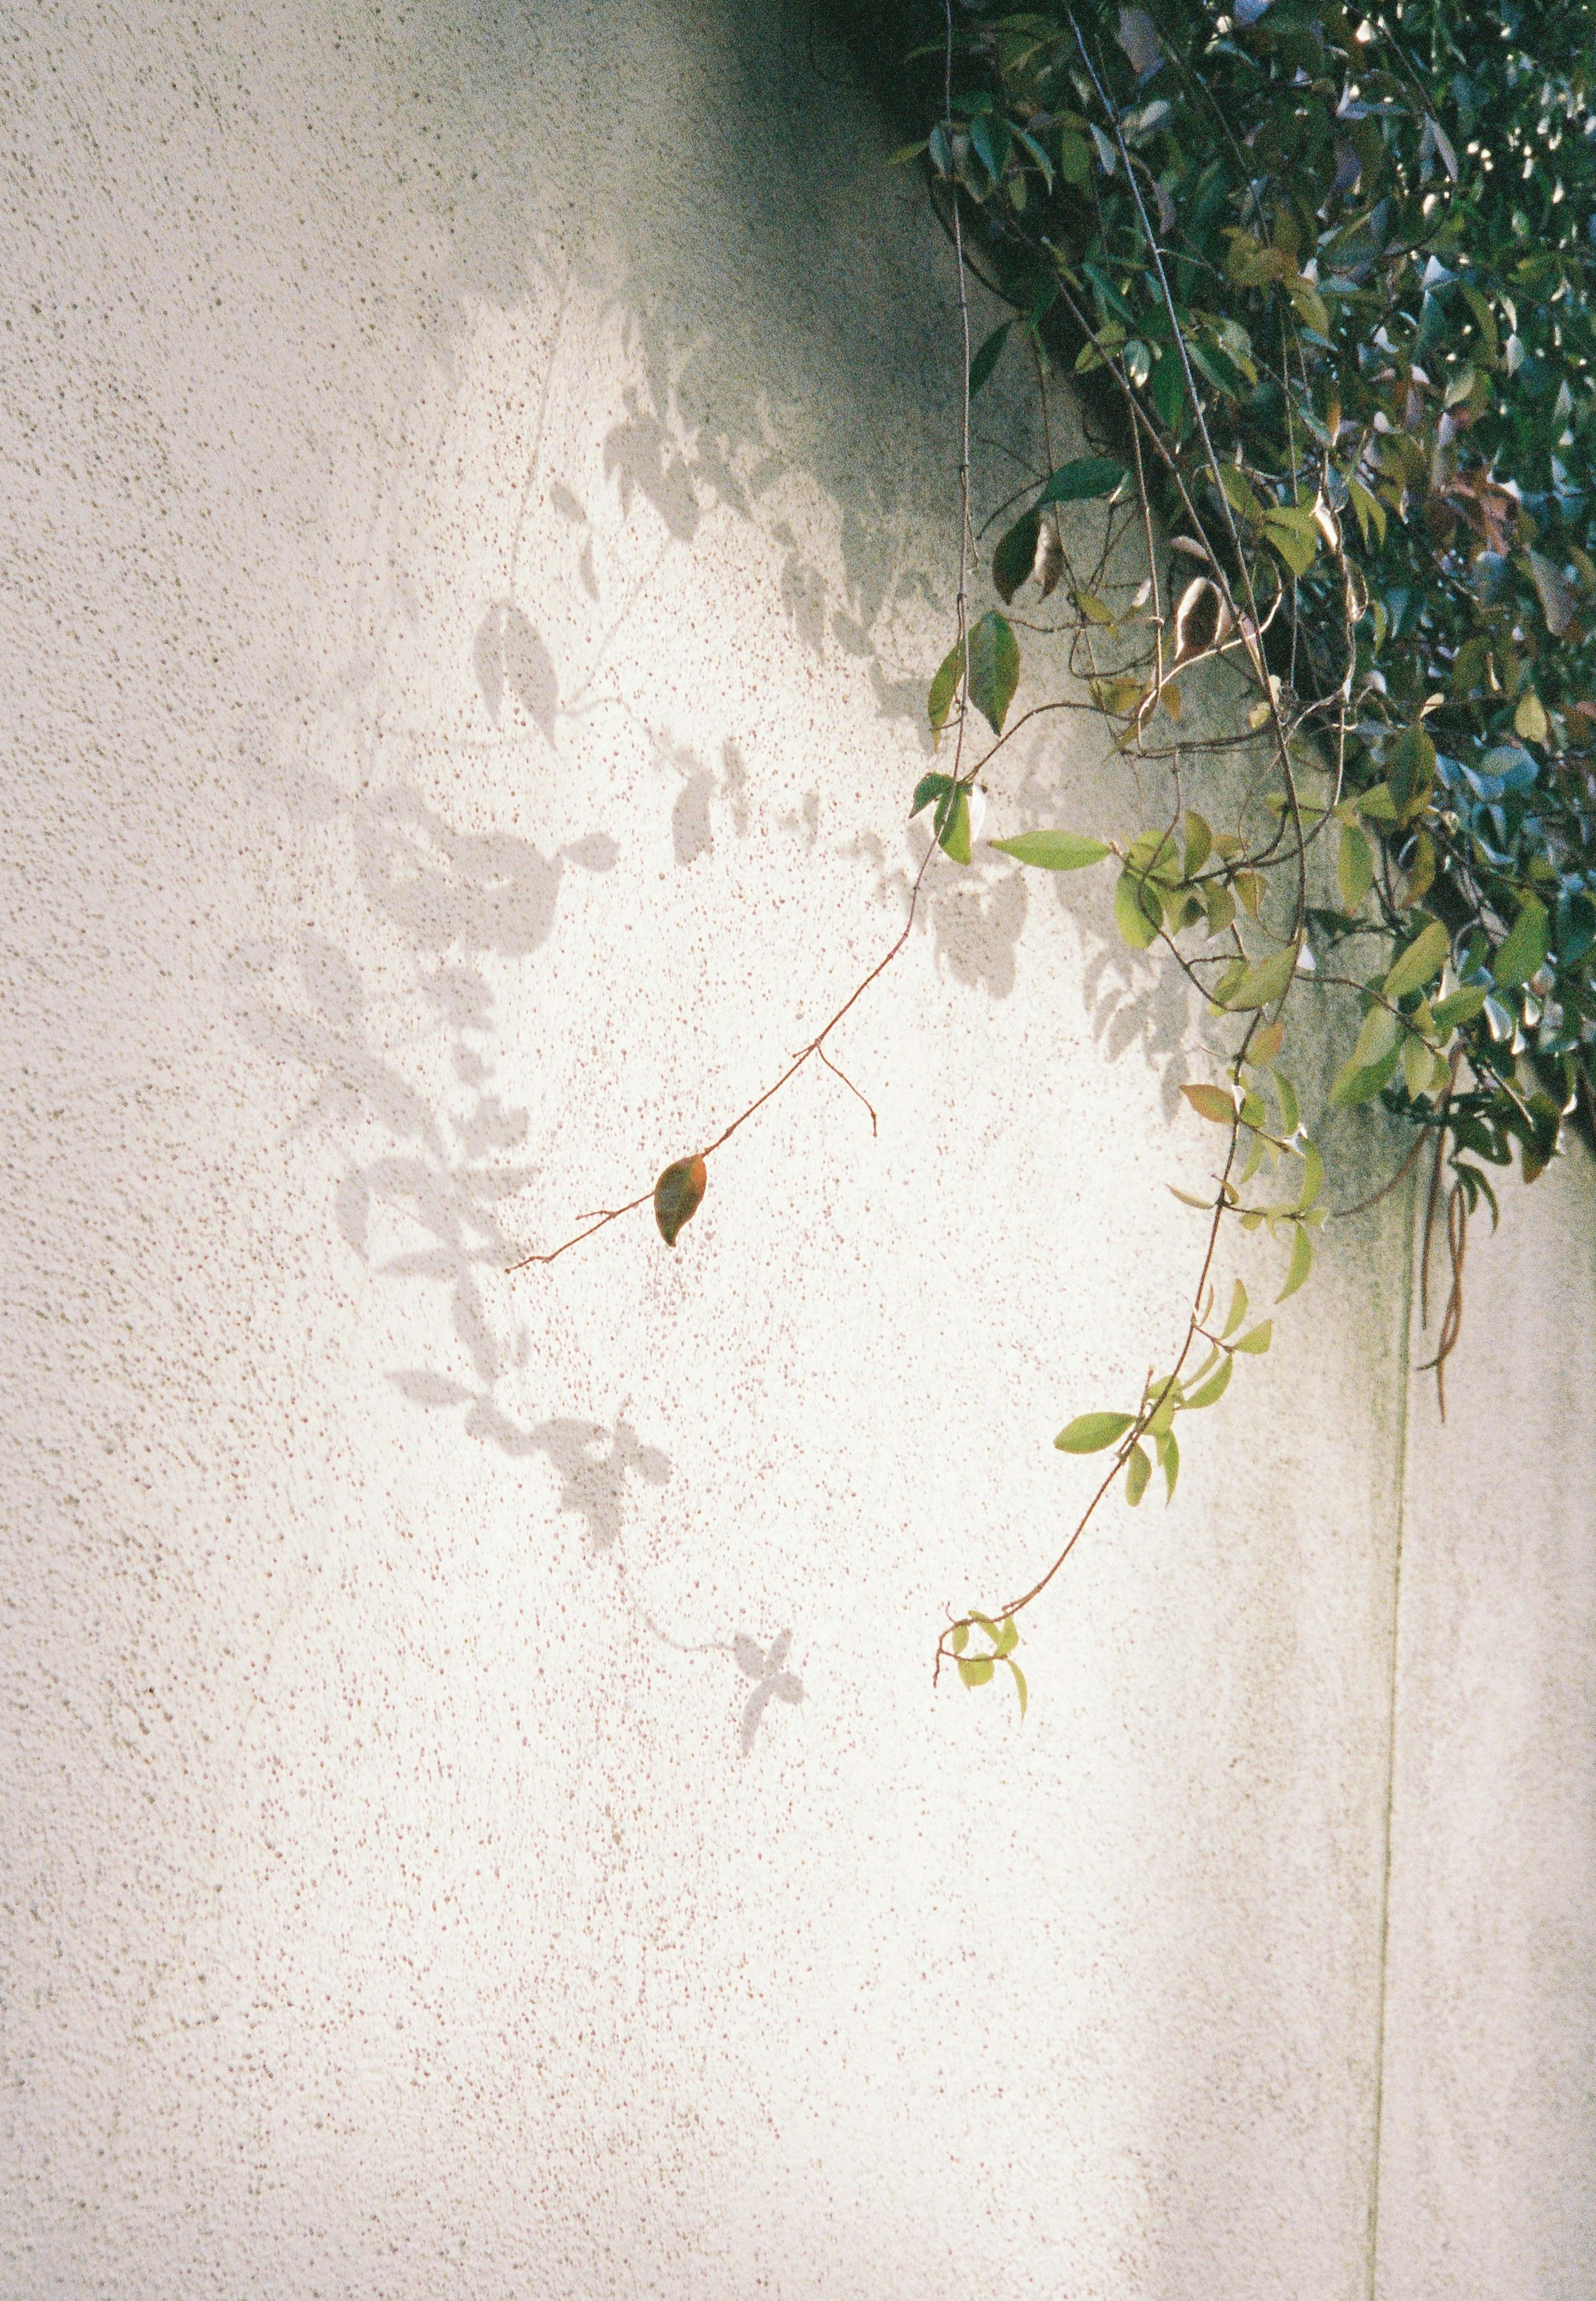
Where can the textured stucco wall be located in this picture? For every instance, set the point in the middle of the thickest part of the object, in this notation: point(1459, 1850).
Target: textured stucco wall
point(476, 523)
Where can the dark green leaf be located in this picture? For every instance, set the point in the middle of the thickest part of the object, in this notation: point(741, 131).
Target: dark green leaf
point(1078, 482)
point(994, 668)
point(986, 359)
point(1015, 558)
point(928, 788)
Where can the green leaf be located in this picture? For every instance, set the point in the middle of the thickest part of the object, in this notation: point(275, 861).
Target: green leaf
point(1421, 962)
point(944, 687)
point(1088, 1434)
point(1285, 1094)
point(994, 667)
point(1215, 1385)
point(1354, 866)
point(1015, 557)
point(928, 788)
point(1020, 1687)
point(1370, 510)
point(1413, 773)
point(1054, 851)
point(1211, 1102)
point(1375, 1038)
point(986, 359)
point(1526, 947)
point(953, 825)
point(1264, 981)
point(1462, 1007)
point(1006, 1638)
point(1238, 1308)
point(1139, 1469)
point(975, 1669)
point(1078, 482)
point(1353, 1086)
point(1169, 1462)
point(1313, 1178)
point(1200, 842)
point(960, 1637)
point(1258, 1338)
point(1297, 545)
point(1138, 912)
point(1302, 1262)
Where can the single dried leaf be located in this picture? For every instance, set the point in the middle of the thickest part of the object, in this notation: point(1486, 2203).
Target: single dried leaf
point(678, 1195)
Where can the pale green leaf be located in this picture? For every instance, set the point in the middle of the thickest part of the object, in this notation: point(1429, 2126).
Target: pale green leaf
point(1302, 1262)
point(1266, 982)
point(1215, 1387)
point(1419, 964)
point(1375, 1038)
point(1354, 866)
point(1313, 1178)
point(1054, 851)
point(944, 687)
point(1138, 912)
point(1088, 1434)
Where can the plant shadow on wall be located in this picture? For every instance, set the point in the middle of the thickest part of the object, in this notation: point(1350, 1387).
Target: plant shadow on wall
point(411, 1073)
point(430, 1206)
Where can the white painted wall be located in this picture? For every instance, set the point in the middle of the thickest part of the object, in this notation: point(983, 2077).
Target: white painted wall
point(476, 521)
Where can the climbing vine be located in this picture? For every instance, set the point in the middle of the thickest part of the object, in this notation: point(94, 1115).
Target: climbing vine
point(1323, 285)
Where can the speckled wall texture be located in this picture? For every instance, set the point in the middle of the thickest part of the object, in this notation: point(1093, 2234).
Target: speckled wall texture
point(477, 1823)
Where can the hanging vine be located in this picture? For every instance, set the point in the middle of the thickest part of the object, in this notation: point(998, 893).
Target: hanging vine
point(1325, 284)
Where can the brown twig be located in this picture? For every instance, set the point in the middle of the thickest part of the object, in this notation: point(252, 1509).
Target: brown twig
point(815, 1046)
